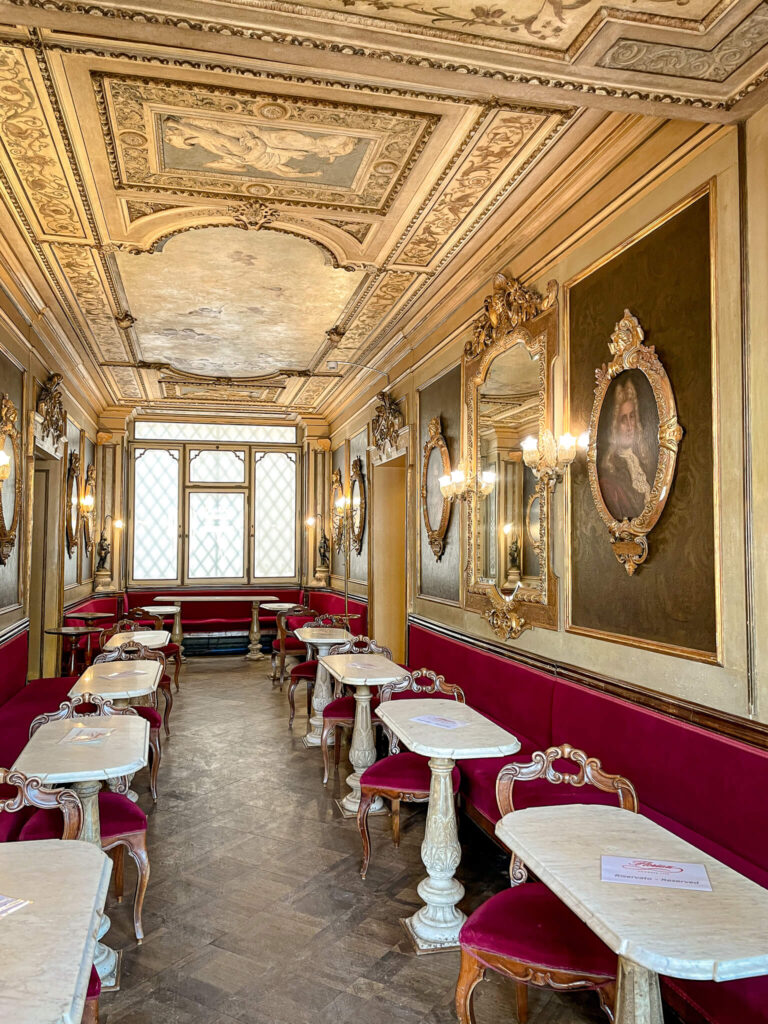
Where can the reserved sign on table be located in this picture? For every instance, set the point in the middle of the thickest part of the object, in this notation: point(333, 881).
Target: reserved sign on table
point(9, 904)
point(439, 721)
point(663, 874)
point(86, 735)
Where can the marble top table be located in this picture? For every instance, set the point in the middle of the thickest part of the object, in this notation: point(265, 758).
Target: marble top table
point(83, 767)
point(89, 616)
point(361, 671)
point(154, 639)
point(119, 681)
point(47, 947)
point(448, 732)
point(714, 936)
point(73, 633)
point(322, 639)
point(254, 634)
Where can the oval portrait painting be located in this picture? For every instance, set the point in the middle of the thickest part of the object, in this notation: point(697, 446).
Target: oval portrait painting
point(627, 444)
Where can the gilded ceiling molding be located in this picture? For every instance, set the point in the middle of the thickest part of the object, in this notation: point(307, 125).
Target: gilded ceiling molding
point(378, 310)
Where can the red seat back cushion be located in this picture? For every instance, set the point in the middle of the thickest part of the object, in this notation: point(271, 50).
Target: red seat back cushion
point(326, 601)
point(13, 658)
point(710, 784)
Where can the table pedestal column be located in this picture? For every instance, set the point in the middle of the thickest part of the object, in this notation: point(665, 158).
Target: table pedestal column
point(638, 998)
point(362, 754)
point(177, 635)
point(436, 926)
point(322, 694)
point(254, 635)
point(105, 960)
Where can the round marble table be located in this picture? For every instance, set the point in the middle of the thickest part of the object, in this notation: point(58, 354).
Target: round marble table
point(154, 639)
point(322, 640)
point(89, 617)
point(58, 759)
point(122, 682)
point(72, 633)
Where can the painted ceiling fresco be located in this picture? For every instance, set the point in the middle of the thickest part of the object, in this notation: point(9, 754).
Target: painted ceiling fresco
point(221, 203)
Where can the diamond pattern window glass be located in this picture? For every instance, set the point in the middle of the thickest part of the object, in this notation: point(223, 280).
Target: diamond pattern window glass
point(245, 433)
point(274, 514)
point(156, 514)
point(216, 534)
point(210, 466)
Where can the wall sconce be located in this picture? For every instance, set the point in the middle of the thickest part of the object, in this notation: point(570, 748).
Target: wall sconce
point(546, 458)
point(460, 484)
point(86, 503)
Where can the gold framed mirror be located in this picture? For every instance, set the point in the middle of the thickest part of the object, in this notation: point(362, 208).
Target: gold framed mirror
point(507, 379)
point(435, 506)
point(337, 510)
point(10, 473)
point(73, 503)
point(357, 499)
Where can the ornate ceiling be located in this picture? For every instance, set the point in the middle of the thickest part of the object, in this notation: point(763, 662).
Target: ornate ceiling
point(223, 201)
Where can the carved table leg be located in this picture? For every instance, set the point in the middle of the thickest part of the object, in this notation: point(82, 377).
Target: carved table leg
point(362, 753)
point(436, 926)
point(105, 960)
point(321, 695)
point(177, 634)
point(638, 998)
point(254, 635)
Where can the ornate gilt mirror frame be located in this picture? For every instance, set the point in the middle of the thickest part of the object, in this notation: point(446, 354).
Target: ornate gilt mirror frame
point(512, 315)
point(9, 414)
point(337, 517)
point(436, 442)
point(88, 517)
point(629, 535)
point(73, 503)
point(357, 482)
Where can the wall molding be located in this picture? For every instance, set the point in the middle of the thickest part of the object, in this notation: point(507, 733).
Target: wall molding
point(17, 627)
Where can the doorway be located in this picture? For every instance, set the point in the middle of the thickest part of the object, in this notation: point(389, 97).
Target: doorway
point(44, 603)
point(389, 603)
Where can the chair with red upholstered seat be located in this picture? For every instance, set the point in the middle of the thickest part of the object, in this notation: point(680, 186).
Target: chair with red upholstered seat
point(525, 932)
point(306, 671)
point(339, 714)
point(123, 824)
point(286, 646)
point(146, 618)
point(148, 654)
point(403, 775)
point(134, 651)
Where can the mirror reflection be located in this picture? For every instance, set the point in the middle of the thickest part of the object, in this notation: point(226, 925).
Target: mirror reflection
point(357, 505)
point(509, 409)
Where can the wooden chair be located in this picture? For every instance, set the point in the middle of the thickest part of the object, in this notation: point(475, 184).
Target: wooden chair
point(171, 651)
point(525, 932)
point(401, 776)
point(286, 646)
point(134, 651)
point(32, 793)
point(123, 823)
point(306, 671)
point(339, 714)
point(148, 654)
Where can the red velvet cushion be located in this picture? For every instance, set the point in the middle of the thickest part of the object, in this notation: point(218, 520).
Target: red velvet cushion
point(304, 670)
point(408, 772)
point(344, 707)
point(42, 695)
point(529, 923)
point(13, 658)
point(94, 985)
point(293, 622)
point(291, 644)
point(152, 715)
point(170, 649)
point(721, 1002)
point(117, 815)
point(478, 780)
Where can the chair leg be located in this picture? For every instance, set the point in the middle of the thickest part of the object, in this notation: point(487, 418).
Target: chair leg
point(470, 974)
point(310, 691)
point(282, 668)
point(154, 746)
point(396, 822)
point(337, 734)
point(327, 727)
point(292, 700)
point(273, 662)
point(118, 862)
point(167, 709)
point(607, 995)
point(137, 847)
point(90, 1012)
point(177, 670)
point(366, 799)
point(521, 1002)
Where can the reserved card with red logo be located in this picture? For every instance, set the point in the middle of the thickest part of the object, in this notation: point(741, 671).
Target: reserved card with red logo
point(664, 874)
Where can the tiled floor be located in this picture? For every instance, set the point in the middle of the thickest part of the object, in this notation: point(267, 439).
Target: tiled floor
point(256, 912)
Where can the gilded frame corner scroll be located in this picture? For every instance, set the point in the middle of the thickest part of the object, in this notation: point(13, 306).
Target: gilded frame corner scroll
point(629, 536)
point(436, 442)
point(9, 415)
point(511, 315)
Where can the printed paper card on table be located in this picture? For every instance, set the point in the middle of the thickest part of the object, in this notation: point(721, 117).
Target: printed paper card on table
point(663, 874)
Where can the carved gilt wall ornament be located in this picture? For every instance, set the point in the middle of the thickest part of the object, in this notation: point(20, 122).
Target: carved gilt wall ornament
point(9, 432)
point(505, 618)
point(50, 405)
point(509, 304)
point(358, 504)
point(435, 443)
point(88, 516)
point(387, 423)
point(633, 440)
point(73, 503)
point(337, 512)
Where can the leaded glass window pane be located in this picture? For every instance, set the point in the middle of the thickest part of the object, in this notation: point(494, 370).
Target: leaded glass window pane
point(274, 507)
point(156, 514)
point(206, 465)
point(216, 534)
point(246, 433)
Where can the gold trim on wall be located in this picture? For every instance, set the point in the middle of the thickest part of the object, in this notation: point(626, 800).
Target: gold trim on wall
point(713, 658)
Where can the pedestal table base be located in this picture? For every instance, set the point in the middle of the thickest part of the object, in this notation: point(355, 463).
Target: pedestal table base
point(638, 997)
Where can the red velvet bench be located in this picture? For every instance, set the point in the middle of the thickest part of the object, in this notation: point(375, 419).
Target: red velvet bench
point(704, 787)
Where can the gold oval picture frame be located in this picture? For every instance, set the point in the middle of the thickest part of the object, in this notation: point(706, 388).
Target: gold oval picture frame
point(633, 440)
point(88, 517)
point(357, 507)
point(73, 503)
point(9, 415)
point(337, 515)
point(435, 443)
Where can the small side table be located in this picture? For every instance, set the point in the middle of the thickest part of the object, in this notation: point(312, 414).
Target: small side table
point(464, 733)
point(72, 633)
point(163, 610)
point(322, 639)
point(254, 634)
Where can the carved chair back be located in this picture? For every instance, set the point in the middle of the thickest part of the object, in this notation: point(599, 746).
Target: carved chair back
point(32, 793)
point(121, 626)
point(299, 609)
point(412, 682)
point(330, 621)
point(357, 645)
point(68, 709)
point(143, 615)
point(132, 650)
point(542, 766)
